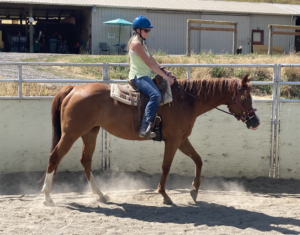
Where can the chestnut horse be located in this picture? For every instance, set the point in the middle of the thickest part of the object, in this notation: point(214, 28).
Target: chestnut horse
point(80, 111)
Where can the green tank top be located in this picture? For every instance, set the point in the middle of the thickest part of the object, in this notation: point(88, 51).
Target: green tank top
point(138, 67)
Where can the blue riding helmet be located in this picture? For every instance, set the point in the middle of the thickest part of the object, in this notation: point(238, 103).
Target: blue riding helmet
point(141, 22)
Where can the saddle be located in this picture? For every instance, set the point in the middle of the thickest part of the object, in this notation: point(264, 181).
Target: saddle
point(129, 94)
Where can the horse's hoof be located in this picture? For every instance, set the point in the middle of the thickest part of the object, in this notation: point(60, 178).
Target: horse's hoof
point(49, 203)
point(168, 201)
point(194, 195)
point(105, 198)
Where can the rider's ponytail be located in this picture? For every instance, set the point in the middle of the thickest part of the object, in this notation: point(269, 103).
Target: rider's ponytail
point(128, 48)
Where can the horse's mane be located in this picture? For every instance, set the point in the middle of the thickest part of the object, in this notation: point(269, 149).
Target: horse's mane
point(208, 87)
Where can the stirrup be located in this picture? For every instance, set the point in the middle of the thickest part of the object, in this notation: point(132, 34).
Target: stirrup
point(148, 134)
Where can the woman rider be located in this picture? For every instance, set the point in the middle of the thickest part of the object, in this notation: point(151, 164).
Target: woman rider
point(141, 64)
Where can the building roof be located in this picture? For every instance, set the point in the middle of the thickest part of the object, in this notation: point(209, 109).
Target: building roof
point(177, 5)
point(293, 9)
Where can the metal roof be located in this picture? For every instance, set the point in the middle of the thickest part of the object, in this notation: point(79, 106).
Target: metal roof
point(293, 9)
point(177, 5)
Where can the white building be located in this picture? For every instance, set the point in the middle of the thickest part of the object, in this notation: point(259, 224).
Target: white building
point(167, 17)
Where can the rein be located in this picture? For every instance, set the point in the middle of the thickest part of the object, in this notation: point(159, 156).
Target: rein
point(246, 113)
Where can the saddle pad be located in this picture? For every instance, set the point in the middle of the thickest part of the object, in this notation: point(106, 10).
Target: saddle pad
point(122, 94)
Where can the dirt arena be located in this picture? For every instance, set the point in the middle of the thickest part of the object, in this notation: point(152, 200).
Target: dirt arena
point(225, 206)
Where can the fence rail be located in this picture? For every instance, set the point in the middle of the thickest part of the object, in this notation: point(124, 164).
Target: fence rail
point(275, 83)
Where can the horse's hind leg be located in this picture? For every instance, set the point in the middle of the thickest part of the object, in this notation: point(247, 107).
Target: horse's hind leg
point(89, 144)
point(61, 149)
point(189, 150)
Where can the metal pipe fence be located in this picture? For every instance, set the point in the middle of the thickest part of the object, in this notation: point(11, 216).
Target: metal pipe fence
point(275, 100)
point(278, 102)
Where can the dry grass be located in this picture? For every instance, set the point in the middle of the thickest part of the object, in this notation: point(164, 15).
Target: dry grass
point(29, 89)
point(116, 72)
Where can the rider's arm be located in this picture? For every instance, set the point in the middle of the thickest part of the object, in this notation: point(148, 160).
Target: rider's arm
point(169, 73)
point(149, 61)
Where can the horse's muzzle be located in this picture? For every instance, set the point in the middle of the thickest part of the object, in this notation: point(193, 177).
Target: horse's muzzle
point(253, 123)
point(255, 128)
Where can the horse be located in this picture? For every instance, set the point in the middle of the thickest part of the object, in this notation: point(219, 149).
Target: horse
point(80, 111)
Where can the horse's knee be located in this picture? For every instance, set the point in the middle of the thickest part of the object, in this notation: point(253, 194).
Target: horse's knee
point(197, 160)
point(199, 163)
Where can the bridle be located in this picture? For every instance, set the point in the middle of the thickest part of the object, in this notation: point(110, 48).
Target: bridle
point(246, 113)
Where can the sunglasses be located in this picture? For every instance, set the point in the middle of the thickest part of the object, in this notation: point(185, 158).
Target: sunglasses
point(146, 30)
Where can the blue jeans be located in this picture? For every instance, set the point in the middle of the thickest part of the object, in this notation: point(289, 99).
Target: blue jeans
point(147, 86)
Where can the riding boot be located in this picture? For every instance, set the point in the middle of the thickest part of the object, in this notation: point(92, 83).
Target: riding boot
point(148, 134)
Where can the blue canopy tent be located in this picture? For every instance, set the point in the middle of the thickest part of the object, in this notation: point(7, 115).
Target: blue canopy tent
point(119, 22)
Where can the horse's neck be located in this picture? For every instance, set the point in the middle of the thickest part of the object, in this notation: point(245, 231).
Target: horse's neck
point(206, 97)
point(205, 105)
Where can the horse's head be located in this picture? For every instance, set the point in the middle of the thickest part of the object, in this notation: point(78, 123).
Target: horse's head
point(242, 104)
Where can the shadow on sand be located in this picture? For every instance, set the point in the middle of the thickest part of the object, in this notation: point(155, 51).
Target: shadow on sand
point(201, 213)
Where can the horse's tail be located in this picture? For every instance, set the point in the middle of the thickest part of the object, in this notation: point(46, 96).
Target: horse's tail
point(56, 124)
point(55, 110)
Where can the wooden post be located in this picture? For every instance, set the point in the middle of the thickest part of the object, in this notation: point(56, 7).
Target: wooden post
point(188, 39)
point(270, 40)
point(272, 32)
point(189, 28)
point(30, 31)
point(234, 40)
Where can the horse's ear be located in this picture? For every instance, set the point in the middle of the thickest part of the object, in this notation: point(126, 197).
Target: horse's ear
point(246, 79)
point(249, 78)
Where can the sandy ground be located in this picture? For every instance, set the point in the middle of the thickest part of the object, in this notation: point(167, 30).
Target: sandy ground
point(224, 206)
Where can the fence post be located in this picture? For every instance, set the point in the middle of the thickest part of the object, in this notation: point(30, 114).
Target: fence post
point(277, 119)
point(105, 134)
point(234, 40)
point(188, 39)
point(103, 150)
point(270, 40)
point(188, 72)
point(20, 81)
point(105, 73)
point(274, 97)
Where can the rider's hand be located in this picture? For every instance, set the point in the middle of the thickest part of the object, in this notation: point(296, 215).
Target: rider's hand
point(169, 79)
point(169, 73)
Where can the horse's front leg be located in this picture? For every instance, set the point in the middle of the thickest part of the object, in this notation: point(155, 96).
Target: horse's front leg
point(189, 150)
point(171, 147)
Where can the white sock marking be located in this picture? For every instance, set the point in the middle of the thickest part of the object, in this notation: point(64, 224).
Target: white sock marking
point(48, 183)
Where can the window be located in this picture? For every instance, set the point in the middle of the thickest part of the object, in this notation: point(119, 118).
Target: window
point(111, 35)
point(257, 37)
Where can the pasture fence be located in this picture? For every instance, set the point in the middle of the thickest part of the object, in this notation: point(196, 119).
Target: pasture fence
point(106, 143)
